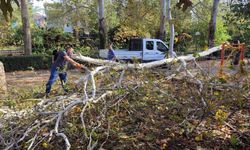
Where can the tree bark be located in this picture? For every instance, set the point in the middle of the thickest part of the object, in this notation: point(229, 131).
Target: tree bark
point(102, 26)
point(212, 24)
point(26, 28)
point(3, 84)
point(162, 31)
point(171, 45)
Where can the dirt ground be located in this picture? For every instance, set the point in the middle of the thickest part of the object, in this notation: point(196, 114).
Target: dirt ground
point(39, 78)
point(213, 66)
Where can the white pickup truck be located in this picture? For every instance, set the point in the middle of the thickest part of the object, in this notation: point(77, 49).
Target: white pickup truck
point(142, 49)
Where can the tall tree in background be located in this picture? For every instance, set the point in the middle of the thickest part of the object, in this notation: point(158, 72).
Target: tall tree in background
point(102, 26)
point(26, 28)
point(162, 30)
point(182, 4)
point(212, 24)
point(171, 25)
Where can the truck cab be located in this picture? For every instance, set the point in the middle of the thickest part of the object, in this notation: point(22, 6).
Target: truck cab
point(142, 49)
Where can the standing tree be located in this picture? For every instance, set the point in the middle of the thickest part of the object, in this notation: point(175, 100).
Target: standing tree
point(26, 28)
point(212, 24)
point(102, 26)
point(183, 5)
point(162, 31)
point(171, 44)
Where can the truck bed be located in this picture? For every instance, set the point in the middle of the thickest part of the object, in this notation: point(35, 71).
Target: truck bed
point(122, 54)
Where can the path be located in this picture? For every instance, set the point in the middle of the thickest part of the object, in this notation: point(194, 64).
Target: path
point(29, 79)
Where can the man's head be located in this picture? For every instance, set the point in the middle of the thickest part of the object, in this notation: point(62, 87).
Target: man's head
point(69, 51)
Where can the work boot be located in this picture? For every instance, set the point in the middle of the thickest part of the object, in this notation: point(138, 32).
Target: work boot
point(66, 91)
point(46, 95)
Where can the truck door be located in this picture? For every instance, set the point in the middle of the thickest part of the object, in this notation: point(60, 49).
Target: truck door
point(161, 49)
point(149, 52)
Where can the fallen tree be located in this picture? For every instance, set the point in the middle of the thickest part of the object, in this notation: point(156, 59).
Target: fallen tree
point(50, 115)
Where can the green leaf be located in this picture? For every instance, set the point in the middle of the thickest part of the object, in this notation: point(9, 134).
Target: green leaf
point(233, 140)
point(7, 9)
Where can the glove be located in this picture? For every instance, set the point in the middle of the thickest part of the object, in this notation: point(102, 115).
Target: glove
point(78, 66)
point(82, 68)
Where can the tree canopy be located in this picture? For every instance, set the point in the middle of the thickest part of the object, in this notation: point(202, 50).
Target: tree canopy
point(7, 8)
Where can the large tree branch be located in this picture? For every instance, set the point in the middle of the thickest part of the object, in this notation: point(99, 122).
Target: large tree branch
point(121, 66)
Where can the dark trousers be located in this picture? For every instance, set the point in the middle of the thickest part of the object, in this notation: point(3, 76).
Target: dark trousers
point(53, 76)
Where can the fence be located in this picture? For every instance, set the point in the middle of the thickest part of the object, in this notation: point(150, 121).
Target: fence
point(11, 52)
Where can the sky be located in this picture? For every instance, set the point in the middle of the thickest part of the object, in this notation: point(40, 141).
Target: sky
point(38, 6)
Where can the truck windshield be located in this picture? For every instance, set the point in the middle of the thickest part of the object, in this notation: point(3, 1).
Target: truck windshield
point(161, 47)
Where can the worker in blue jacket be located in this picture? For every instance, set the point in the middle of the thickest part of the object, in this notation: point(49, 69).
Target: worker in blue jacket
point(59, 68)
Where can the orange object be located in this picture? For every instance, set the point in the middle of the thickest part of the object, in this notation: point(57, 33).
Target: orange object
point(239, 47)
point(78, 66)
point(222, 54)
point(242, 51)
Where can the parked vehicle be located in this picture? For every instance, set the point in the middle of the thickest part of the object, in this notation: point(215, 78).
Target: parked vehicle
point(142, 49)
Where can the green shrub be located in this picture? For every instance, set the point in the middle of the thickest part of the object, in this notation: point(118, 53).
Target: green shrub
point(14, 63)
point(86, 51)
point(248, 53)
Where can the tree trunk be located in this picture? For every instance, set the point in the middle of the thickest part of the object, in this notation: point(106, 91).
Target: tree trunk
point(212, 24)
point(26, 28)
point(120, 66)
point(162, 31)
point(78, 22)
point(102, 26)
point(3, 84)
point(171, 45)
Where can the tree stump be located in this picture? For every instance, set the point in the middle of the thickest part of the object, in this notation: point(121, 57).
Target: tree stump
point(3, 85)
